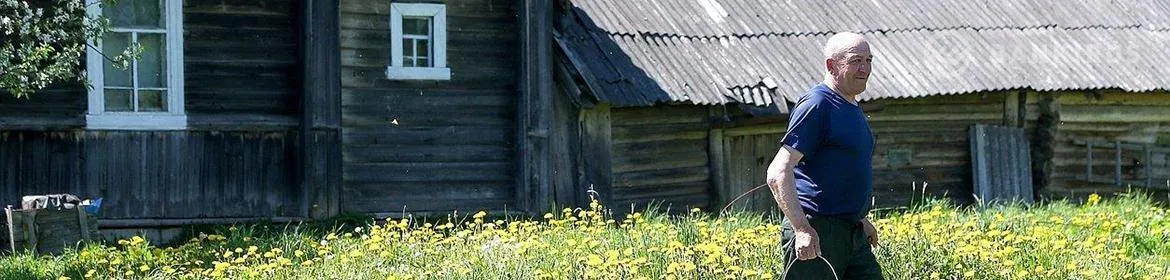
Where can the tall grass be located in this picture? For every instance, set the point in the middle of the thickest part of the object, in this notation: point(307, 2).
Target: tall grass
point(1123, 238)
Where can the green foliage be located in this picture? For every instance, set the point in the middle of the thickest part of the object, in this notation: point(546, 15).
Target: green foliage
point(1125, 237)
point(43, 42)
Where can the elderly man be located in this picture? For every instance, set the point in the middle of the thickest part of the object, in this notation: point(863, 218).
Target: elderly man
point(822, 176)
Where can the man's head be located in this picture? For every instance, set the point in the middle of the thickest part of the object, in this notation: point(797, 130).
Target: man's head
point(847, 62)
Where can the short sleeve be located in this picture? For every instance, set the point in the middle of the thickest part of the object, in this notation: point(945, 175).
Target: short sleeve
point(806, 126)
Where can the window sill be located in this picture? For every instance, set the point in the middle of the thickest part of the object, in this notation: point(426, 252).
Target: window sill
point(418, 73)
point(136, 121)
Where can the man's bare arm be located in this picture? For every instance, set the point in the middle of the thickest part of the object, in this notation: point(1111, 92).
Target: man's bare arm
point(782, 181)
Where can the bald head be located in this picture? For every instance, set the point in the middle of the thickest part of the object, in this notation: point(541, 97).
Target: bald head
point(847, 63)
point(842, 43)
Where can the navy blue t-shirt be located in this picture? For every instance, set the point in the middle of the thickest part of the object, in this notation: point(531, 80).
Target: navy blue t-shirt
point(835, 176)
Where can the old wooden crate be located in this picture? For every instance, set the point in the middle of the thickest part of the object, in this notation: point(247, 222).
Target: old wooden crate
point(47, 231)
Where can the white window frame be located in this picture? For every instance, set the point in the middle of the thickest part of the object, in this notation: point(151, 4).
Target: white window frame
point(175, 117)
point(438, 15)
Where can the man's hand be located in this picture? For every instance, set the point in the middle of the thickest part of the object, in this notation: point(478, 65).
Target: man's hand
point(871, 232)
point(808, 245)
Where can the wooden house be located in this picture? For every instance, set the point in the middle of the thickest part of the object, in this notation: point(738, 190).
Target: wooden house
point(285, 110)
point(693, 94)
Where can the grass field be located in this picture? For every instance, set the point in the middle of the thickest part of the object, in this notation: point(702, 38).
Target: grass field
point(1127, 237)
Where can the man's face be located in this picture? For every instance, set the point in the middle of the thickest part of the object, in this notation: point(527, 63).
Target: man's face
point(853, 69)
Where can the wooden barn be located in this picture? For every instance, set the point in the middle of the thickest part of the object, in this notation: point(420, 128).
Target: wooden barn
point(693, 94)
point(285, 110)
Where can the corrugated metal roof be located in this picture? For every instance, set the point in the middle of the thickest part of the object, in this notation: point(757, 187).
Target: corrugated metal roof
point(651, 51)
point(798, 17)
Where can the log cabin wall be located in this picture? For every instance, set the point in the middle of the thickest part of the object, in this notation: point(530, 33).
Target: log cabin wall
point(926, 140)
point(660, 154)
point(1108, 117)
point(236, 159)
point(430, 146)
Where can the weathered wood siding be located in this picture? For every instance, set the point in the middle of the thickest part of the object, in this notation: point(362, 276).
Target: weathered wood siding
point(1140, 118)
point(236, 160)
point(155, 174)
point(62, 106)
point(430, 146)
point(241, 59)
point(660, 155)
point(925, 140)
point(747, 153)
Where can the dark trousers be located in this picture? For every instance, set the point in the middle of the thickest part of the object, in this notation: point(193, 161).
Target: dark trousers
point(843, 243)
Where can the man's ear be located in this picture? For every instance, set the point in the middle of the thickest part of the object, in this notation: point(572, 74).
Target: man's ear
point(830, 67)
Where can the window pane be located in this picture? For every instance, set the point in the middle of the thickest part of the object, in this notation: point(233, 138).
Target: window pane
point(135, 14)
point(152, 63)
point(121, 14)
point(423, 62)
point(424, 48)
point(151, 101)
point(118, 100)
point(416, 26)
point(408, 52)
point(147, 13)
point(113, 44)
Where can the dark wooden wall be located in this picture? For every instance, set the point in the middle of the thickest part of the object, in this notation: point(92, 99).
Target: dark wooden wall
point(430, 146)
point(155, 174)
point(660, 154)
point(241, 62)
point(237, 159)
point(933, 131)
point(1109, 116)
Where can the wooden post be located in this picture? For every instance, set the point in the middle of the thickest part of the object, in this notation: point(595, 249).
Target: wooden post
point(83, 223)
point(1117, 162)
point(1089, 164)
point(1044, 138)
point(534, 187)
point(1011, 110)
point(11, 228)
point(1146, 164)
point(717, 162)
point(320, 139)
point(596, 152)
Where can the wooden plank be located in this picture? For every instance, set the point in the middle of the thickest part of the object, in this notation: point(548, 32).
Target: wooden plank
point(660, 148)
point(11, 228)
point(431, 135)
point(596, 152)
point(1115, 98)
point(498, 119)
point(757, 130)
point(717, 162)
point(409, 191)
point(566, 150)
point(426, 153)
point(417, 101)
point(428, 171)
point(662, 191)
point(972, 98)
point(1011, 110)
point(434, 206)
point(320, 126)
point(632, 164)
point(663, 137)
point(250, 122)
point(1114, 113)
point(658, 115)
point(660, 177)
